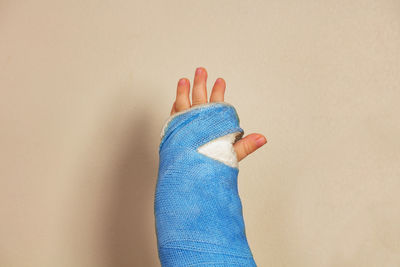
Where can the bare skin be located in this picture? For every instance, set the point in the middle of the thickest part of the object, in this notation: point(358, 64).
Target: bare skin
point(243, 147)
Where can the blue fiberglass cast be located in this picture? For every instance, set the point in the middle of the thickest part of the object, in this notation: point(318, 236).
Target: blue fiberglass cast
point(198, 211)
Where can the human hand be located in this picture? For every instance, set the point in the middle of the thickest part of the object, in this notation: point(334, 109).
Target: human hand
point(244, 146)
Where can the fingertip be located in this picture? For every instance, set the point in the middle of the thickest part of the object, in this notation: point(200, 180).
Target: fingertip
point(201, 70)
point(221, 84)
point(183, 86)
point(182, 81)
point(220, 80)
point(260, 140)
point(182, 101)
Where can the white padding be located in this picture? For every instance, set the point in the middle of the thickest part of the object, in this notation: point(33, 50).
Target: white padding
point(221, 149)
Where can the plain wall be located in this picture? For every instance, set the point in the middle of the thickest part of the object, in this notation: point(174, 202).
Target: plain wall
point(87, 85)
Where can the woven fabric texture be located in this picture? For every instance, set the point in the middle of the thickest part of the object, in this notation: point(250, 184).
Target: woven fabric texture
point(197, 207)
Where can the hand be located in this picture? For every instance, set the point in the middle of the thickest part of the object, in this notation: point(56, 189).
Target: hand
point(244, 146)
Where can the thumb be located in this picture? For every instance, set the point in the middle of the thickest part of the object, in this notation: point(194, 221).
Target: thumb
point(248, 145)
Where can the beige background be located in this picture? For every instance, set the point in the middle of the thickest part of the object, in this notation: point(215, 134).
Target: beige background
point(87, 85)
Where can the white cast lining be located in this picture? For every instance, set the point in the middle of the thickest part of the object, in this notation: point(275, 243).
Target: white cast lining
point(221, 149)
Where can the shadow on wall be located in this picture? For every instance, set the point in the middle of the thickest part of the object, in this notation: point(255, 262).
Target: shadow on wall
point(129, 224)
point(110, 216)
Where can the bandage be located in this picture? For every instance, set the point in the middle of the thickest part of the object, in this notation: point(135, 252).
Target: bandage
point(198, 211)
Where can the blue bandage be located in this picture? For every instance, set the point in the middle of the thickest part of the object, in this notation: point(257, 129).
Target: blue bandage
point(198, 211)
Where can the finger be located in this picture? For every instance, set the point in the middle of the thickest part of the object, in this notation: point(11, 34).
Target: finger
point(218, 91)
point(173, 109)
point(248, 145)
point(182, 101)
point(199, 94)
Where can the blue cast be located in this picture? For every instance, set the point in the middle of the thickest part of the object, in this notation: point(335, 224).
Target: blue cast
point(198, 211)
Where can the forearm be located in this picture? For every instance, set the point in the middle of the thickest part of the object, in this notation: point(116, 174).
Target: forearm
point(197, 207)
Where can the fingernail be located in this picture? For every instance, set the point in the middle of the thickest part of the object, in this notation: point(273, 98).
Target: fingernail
point(260, 141)
point(198, 70)
point(182, 81)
